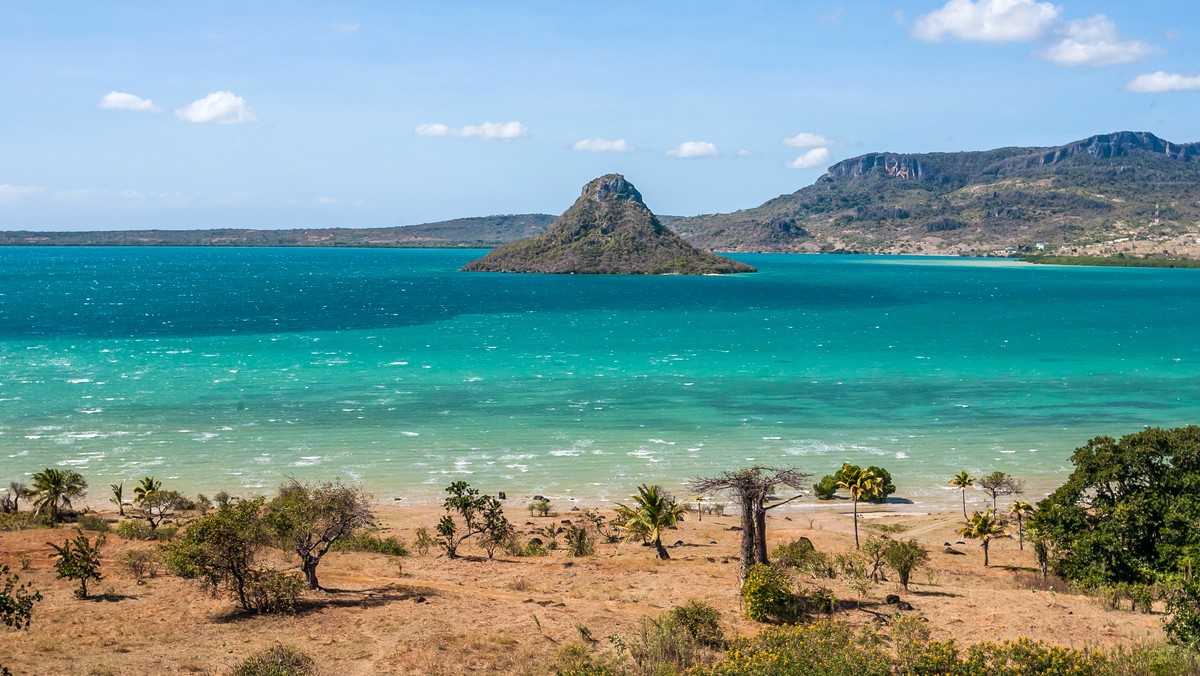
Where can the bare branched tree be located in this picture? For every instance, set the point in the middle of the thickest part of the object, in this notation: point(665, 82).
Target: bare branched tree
point(751, 487)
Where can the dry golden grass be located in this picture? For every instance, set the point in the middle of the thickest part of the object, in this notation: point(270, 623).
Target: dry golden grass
point(431, 615)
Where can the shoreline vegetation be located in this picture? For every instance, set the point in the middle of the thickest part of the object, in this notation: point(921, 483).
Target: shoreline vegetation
point(1097, 578)
point(1117, 261)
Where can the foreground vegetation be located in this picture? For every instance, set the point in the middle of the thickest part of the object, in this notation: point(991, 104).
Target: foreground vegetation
point(1120, 529)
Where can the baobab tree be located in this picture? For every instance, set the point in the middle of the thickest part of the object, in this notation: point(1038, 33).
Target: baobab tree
point(751, 487)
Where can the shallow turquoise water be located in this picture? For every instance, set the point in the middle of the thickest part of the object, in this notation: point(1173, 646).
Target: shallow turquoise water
point(230, 368)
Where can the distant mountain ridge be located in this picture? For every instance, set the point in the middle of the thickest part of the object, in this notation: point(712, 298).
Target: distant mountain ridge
point(1125, 185)
point(482, 232)
point(609, 230)
point(1103, 195)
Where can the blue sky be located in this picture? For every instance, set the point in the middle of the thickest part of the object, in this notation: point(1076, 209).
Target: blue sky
point(352, 114)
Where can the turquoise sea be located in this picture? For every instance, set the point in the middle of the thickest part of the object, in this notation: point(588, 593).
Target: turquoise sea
point(230, 369)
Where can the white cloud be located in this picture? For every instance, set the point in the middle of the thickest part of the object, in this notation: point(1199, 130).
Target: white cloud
point(1094, 41)
point(986, 21)
point(744, 153)
point(488, 131)
point(217, 107)
point(345, 27)
point(603, 145)
point(805, 140)
point(816, 157)
point(127, 101)
point(1159, 81)
point(11, 193)
point(689, 149)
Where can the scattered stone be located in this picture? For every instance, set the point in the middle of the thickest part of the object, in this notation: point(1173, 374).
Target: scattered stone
point(419, 599)
point(575, 508)
point(566, 522)
point(501, 495)
point(734, 528)
point(960, 542)
point(787, 518)
point(712, 542)
point(891, 598)
point(540, 498)
point(678, 543)
point(904, 605)
point(535, 541)
point(710, 559)
point(951, 550)
point(945, 544)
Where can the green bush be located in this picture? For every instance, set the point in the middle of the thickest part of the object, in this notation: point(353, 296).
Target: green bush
point(1159, 659)
point(423, 541)
point(802, 556)
point(366, 542)
point(826, 488)
point(904, 557)
point(17, 521)
point(767, 595)
point(134, 530)
point(701, 621)
point(278, 660)
point(539, 508)
point(93, 523)
point(534, 548)
point(816, 649)
point(272, 591)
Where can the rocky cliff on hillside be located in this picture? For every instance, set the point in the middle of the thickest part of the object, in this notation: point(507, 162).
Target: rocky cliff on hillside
point(1094, 195)
point(609, 230)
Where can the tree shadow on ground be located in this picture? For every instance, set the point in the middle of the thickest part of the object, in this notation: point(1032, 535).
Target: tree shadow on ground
point(329, 597)
point(110, 597)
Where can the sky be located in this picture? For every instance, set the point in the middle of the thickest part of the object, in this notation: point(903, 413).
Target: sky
point(266, 114)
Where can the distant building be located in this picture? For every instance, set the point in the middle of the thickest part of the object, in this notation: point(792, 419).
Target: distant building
point(1041, 246)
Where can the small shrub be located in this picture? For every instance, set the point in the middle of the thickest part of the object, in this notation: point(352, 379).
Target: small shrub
point(904, 556)
point(78, 559)
point(718, 508)
point(579, 541)
point(814, 649)
point(1159, 659)
point(24, 560)
point(535, 548)
point(16, 600)
point(577, 659)
point(802, 556)
point(18, 521)
point(664, 646)
point(141, 563)
point(271, 591)
point(134, 530)
point(767, 595)
point(701, 621)
point(539, 508)
point(366, 542)
point(166, 533)
point(424, 541)
point(93, 523)
point(278, 660)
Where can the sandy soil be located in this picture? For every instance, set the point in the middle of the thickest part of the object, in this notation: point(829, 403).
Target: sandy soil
point(428, 614)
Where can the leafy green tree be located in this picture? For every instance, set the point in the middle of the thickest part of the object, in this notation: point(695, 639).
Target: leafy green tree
point(222, 549)
point(654, 510)
point(309, 519)
point(118, 498)
point(1128, 511)
point(999, 484)
point(985, 527)
point(962, 481)
point(886, 487)
point(480, 514)
point(904, 557)
point(826, 488)
point(55, 489)
point(1021, 511)
point(78, 559)
point(859, 482)
point(16, 601)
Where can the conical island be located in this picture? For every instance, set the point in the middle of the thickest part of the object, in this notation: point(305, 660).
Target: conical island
point(608, 231)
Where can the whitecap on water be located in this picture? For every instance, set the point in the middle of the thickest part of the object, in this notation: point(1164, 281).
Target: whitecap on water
point(567, 453)
point(901, 455)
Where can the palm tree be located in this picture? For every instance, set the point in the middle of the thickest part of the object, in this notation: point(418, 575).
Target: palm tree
point(983, 526)
point(962, 481)
point(143, 490)
point(118, 497)
point(654, 511)
point(859, 482)
point(54, 489)
point(1021, 510)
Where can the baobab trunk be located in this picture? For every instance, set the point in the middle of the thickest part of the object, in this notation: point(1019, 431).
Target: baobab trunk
point(760, 533)
point(746, 559)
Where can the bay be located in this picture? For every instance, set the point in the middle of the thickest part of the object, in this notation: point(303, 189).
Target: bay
point(231, 369)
